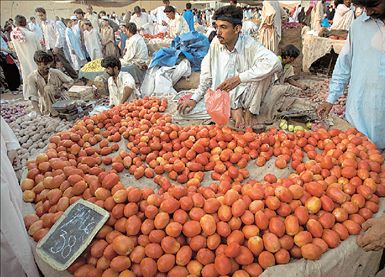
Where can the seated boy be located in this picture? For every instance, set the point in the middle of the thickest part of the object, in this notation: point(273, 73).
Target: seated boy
point(121, 85)
point(288, 56)
point(46, 85)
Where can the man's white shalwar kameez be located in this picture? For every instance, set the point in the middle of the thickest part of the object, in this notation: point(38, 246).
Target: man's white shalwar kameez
point(25, 50)
point(254, 64)
point(178, 26)
point(343, 18)
point(93, 44)
point(116, 89)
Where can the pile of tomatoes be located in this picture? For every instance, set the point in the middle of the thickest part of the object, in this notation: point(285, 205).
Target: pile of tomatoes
point(235, 225)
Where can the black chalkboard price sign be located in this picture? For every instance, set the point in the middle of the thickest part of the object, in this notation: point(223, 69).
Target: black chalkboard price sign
point(71, 234)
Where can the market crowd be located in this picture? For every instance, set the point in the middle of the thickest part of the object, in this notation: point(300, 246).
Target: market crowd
point(243, 59)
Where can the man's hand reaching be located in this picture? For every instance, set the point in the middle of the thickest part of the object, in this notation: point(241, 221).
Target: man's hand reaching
point(374, 237)
point(186, 106)
point(324, 109)
point(229, 84)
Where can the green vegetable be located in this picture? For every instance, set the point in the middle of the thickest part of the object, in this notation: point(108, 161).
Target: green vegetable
point(298, 128)
point(283, 124)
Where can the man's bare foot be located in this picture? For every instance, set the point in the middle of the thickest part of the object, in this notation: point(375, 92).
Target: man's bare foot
point(237, 116)
point(248, 119)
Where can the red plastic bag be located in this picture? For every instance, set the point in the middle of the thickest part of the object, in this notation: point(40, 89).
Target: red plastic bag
point(218, 106)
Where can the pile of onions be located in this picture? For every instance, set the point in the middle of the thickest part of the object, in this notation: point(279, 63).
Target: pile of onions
point(11, 112)
point(319, 92)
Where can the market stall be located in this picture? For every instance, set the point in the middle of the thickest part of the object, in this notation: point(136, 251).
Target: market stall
point(133, 162)
point(315, 47)
point(91, 70)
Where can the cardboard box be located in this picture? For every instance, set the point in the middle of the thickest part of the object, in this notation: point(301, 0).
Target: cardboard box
point(81, 92)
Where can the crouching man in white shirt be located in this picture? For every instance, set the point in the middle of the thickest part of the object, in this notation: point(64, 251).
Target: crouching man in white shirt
point(177, 24)
point(121, 85)
point(135, 58)
point(238, 64)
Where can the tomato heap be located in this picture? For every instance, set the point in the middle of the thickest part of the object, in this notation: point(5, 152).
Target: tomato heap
point(236, 225)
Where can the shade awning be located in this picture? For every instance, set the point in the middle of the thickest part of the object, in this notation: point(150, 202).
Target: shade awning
point(101, 3)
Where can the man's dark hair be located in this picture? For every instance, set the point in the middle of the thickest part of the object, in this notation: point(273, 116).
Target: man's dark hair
point(290, 51)
point(65, 21)
point(42, 56)
point(87, 22)
point(232, 14)
point(166, 1)
point(169, 9)
point(40, 10)
point(143, 10)
point(131, 27)
point(32, 17)
point(337, 2)
point(367, 3)
point(102, 12)
point(78, 11)
point(188, 6)
point(111, 61)
point(233, 2)
point(137, 9)
point(20, 20)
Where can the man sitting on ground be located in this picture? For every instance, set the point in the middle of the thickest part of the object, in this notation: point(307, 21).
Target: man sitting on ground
point(136, 53)
point(121, 85)
point(46, 85)
point(238, 64)
point(177, 24)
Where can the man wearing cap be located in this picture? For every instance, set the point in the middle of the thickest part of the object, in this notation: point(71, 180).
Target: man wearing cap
point(92, 17)
point(177, 25)
point(54, 40)
point(142, 21)
point(238, 64)
point(136, 53)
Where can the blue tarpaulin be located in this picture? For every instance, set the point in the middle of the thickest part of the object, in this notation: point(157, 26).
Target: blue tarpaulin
point(193, 45)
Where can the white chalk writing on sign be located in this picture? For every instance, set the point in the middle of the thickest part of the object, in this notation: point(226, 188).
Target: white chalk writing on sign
point(71, 234)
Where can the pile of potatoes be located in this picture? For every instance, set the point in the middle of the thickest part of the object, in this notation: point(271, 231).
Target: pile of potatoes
point(33, 135)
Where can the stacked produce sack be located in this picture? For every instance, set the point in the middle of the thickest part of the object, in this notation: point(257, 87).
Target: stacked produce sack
point(235, 226)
